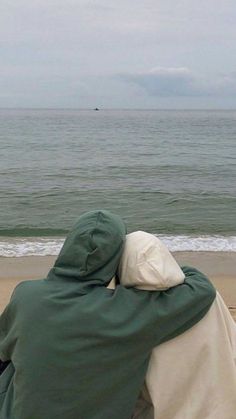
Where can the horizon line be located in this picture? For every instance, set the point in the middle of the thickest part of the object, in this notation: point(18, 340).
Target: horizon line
point(111, 109)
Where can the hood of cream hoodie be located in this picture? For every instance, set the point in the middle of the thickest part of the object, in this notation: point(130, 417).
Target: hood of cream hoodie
point(147, 264)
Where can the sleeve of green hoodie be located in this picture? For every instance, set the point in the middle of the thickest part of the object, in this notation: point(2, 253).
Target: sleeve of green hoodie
point(189, 301)
point(175, 310)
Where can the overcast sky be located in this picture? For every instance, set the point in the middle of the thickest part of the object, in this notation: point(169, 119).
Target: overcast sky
point(118, 54)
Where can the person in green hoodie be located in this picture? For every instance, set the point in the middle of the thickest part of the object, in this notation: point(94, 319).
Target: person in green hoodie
point(79, 350)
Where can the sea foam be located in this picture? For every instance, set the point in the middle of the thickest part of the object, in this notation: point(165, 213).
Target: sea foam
point(40, 246)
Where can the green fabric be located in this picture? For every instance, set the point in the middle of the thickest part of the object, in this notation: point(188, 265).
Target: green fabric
point(80, 350)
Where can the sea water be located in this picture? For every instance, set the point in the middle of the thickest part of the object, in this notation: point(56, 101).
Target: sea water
point(171, 173)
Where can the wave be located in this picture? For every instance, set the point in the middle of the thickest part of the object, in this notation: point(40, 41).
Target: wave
point(205, 243)
point(40, 246)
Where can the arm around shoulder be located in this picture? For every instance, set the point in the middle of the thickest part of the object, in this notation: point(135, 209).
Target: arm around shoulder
point(181, 307)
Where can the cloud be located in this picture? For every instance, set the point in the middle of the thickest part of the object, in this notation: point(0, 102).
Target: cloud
point(181, 81)
point(162, 81)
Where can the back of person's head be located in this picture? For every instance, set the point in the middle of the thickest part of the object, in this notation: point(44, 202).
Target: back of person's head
point(147, 264)
point(93, 248)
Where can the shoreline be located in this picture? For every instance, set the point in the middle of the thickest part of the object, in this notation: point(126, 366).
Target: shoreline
point(220, 267)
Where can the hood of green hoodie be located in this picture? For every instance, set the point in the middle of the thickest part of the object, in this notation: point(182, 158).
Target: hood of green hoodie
point(92, 249)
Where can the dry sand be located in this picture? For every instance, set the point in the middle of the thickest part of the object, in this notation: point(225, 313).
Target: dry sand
point(220, 267)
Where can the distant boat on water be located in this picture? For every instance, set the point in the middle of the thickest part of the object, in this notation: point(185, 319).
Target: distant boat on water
point(96, 109)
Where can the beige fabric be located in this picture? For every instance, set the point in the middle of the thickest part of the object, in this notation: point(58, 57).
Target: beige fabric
point(147, 263)
point(194, 375)
point(112, 284)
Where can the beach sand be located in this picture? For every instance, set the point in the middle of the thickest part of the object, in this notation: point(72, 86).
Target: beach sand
point(220, 267)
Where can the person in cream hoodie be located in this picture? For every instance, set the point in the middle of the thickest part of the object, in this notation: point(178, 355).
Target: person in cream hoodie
point(192, 376)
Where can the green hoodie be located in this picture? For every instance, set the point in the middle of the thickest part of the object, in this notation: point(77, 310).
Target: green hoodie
point(80, 350)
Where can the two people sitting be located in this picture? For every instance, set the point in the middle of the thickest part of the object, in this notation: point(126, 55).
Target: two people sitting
point(81, 350)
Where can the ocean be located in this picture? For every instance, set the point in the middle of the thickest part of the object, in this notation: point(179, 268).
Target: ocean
point(171, 173)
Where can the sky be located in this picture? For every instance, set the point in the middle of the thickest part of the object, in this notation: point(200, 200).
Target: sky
point(118, 54)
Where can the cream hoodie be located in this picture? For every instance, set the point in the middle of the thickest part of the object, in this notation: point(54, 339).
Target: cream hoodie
point(192, 376)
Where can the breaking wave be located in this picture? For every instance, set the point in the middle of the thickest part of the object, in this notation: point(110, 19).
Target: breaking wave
point(50, 246)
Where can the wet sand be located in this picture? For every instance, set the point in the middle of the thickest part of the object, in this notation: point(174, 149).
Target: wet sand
point(220, 267)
